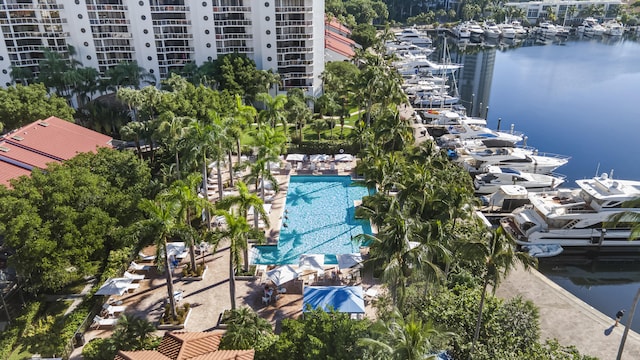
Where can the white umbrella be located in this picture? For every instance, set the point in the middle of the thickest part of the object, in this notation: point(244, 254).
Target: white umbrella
point(282, 274)
point(344, 157)
point(346, 261)
point(114, 286)
point(295, 157)
point(313, 262)
point(175, 248)
point(318, 157)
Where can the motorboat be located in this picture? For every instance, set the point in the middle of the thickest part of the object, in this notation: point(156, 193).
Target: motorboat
point(422, 65)
point(404, 48)
point(491, 30)
point(507, 31)
point(579, 218)
point(546, 29)
point(420, 90)
point(613, 28)
point(496, 176)
point(506, 199)
point(518, 28)
point(543, 250)
point(461, 31)
point(519, 158)
point(475, 29)
point(415, 37)
point(468, 131)
point(435, 99)
point(591, 27)
point(562, 31)
point(445, 118)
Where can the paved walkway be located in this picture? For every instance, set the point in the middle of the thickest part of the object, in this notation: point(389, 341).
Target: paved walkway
point(568, 319)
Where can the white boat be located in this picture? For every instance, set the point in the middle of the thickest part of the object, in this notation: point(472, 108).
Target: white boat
point(435, 99)
point(461, 31)
point(404, 48)
point(496, 176)
point(413, 36)
point(506, 199)
point(507, 31)
point(613, 28)
point(546, 29)
point(475, 29)
point(491, 30)
point(422, 65)
point(591, 27)
point(577, 217)
point(543, 250)
point(518, 28)
point(562, 31)
point(522, 159)
point(445, 118)
point(468, 131)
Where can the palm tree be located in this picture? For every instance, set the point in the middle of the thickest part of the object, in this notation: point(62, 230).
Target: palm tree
point(133, 333)
point(127, 74)
point(134, 131)
point(21, 75)
point(237, 231)
point(171, 129)
point(245, 330)
point(162, 221)
point(273, 112)
point(185, 193)
point(497, 256)
point(270, 143)
point(628, 217)
point(52, 69)
point(203, 142)
point(405, 339)
point(243, 201)
point(244, 115)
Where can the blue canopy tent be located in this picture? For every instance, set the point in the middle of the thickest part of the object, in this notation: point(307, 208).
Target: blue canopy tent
point(347, 299)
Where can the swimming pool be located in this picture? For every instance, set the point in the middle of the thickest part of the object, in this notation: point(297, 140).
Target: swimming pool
point(319, 218)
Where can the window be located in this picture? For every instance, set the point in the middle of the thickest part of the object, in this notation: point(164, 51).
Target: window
point(4, 71)
point(149, 58)
point(151, 71)
point(208, 45)
point(210, 58)
point(269, 58)
point(266, 4)
point(268, 46)
point(79, 16)
point(141, 3)
point(147, 45)
point(77, 2)
point(268, 32)
point(88, 57)
point(206, 31)
point(204, 4)
point(86, 43)
point(83, 30)
point(145, 31)
point(206, 18)
point(143, 17)
point(266, 18)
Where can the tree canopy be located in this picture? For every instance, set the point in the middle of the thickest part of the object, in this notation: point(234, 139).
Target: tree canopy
point(20, 105)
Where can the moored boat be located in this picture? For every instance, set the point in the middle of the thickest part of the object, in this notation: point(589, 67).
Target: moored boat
point(490, 182)
point(543, 250)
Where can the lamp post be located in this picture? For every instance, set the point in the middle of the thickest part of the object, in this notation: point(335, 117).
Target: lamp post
point(626, 329)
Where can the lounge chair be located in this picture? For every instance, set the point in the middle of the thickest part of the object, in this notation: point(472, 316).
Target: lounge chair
point(137, 267)
point(299, 166)
point(100, 321)
point(111, 310)
point(133, 277)
point(145, 257)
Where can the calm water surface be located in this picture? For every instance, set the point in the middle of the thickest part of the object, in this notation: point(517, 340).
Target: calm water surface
point(581, 99)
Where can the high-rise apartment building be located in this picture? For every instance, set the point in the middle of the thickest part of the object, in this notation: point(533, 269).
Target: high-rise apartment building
point(286, 36)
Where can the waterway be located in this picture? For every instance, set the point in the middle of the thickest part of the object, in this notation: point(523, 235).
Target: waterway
point(579, 97)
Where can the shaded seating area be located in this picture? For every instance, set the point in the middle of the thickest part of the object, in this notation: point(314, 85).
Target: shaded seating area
point(109, 310)
point(346, 299)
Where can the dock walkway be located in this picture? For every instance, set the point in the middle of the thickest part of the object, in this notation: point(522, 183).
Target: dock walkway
point(569, 319)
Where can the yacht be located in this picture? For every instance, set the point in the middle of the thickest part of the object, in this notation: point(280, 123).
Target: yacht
point(405, 48)
point(591, 27)
point(562, 31)
point(506, 199)
point(578, 217)
point(419, 65)
point(497, 176)
point(546, 29)
point(522, 159)
point(415, 37)
point(475, 29)
point(435, 99)
point(469, 131)
point(461, 31)
point(518, 28)
point(491, 30)
point(613, 28)
point(445, 118)
point(507, 31)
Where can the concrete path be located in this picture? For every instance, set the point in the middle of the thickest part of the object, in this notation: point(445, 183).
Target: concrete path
point(568, 319)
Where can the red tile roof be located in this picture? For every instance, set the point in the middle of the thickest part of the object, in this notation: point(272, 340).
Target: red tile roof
point(334, 44)
point(332, 24)
point(43, 142)
point(188, 346)
point(57, 138)
point(9, 171)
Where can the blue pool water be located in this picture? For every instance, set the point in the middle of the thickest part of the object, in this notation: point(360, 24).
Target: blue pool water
point(320, 220)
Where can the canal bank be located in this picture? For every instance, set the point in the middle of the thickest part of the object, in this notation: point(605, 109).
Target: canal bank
point(569, 319)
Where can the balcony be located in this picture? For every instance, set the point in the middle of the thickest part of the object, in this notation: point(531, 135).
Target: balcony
point(290, 23)
point(223, 23)
point(294, 9)
point(174, 36)
point(170, 8)
point(121, 8)
point(181, 22)
point(231, 9)
point(175, 49)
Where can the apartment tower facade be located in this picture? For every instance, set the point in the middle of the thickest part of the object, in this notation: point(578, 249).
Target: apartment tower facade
point(286, 36)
